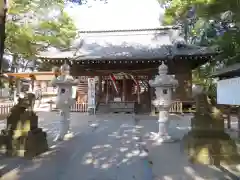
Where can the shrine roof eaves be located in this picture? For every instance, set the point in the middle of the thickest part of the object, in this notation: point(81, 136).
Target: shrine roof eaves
point(229, 71)
point(128, 45)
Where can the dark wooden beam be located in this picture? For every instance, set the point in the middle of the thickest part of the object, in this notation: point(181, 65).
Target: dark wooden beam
point(193, 59)
point(107, 73)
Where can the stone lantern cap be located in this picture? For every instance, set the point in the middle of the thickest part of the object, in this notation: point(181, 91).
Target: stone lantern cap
point(163, 69)
point(164, 79)
point(65, 69)
point(197, 89)
point(65, 78)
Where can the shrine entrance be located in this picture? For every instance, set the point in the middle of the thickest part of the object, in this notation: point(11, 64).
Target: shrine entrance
point(124, 92)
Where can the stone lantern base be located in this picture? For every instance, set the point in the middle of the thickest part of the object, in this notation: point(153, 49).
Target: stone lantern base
point(22, 137)
point(29, 145)
point(162, 139)
point(210, 148)
point(206, 142)
point(163, 124)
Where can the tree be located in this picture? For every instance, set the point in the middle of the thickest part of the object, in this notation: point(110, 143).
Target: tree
point(36, 25)
point(207, 9)
point(209, 23)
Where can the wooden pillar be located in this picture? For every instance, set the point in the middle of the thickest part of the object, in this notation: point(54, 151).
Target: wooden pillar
point(32, 84)
point(138, 92)
point(18, 85)
point(124, 89)
point(239, 122)
point(183, 74)
point(18, 89)
point(107, 91)
point(100, 84)
point(151, 94)
point(99, 88)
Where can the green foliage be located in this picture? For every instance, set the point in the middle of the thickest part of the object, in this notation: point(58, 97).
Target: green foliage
point(209, 16)
point(206, 9)
point(57, 33)
point(35, 25)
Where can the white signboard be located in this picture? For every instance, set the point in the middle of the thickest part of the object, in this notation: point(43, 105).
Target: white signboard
point(91, 92)
point(228, 91)
point(74, 92)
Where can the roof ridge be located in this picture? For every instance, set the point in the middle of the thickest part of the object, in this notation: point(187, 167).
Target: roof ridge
point(131, 30)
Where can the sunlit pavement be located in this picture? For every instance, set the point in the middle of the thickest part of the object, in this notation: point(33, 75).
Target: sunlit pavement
point(108, 147)
point(104, 149)
point(169, 160)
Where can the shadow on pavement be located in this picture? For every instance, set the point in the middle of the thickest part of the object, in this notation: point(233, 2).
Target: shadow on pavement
point(10, 164)
point(169, 160)
point(110, 151)
point(114, 150)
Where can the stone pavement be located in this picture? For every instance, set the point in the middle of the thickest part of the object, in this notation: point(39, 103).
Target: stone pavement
point(107, 147)
point(169, 160)
point(49, 121)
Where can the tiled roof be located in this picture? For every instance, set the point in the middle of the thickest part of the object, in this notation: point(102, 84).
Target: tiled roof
point(232, 70)
point(141, 44)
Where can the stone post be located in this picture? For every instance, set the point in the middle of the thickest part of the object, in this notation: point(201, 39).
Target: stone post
point(164, 85)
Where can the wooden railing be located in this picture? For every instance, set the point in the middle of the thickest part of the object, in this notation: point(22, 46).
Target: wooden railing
point(80, 107)
point(5, 110)
point(83, 107)
point(176, 107)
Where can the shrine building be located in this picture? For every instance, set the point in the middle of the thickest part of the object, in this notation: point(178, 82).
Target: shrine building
point(123, 62)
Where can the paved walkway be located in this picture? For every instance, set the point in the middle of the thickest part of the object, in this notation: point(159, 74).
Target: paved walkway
point(107, 148)
point(169, 160)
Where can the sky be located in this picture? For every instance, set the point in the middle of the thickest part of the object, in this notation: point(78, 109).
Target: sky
point(116, 14)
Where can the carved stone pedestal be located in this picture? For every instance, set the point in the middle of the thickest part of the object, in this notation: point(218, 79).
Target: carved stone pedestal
point(29, 145)
point(207, 143)
point(211, 148)
point(22, 137)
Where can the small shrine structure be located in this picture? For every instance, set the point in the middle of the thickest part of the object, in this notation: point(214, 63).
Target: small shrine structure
point(228, 87)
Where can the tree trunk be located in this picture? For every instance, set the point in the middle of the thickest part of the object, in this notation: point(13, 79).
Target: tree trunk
point(238, 122)
point(228, 116)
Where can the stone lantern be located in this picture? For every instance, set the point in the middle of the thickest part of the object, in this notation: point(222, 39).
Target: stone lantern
point(196, 89)
point(66, 96)
point(164, 84)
